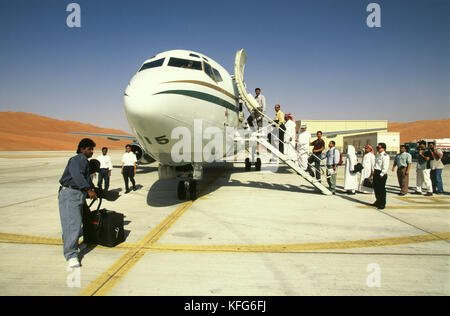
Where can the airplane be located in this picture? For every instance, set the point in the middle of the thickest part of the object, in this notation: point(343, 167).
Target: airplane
point(174, 90)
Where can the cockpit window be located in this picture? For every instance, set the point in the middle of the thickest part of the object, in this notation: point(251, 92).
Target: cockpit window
point(193, 55)
point(217, 75)
point(209, 71)
point(185, 63)
point(152, 64)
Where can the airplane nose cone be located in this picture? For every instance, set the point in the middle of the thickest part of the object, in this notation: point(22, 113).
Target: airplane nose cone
point(139, 101)
point(149, 115)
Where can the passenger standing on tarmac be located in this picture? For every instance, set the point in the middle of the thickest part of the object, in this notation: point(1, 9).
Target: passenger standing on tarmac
point(333, 157)
point(289, 137)
point(368, 163)
point(303, 141)
point(436, 169)
point(403, 163)
point(105, 168)
point(350, 176)
point(255, 115)
point(380, 176)
point(424, 169)
point(75, 187)
point(129, 168)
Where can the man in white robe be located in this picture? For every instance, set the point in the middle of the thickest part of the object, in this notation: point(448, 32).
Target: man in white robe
point(289, 137)
point(368, 163)
point(304, 139)
point(350, 176)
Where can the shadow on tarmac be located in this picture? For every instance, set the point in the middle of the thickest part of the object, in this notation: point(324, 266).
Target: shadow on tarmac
point(164, 192)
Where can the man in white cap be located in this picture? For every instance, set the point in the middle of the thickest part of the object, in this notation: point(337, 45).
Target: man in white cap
point(304, 139)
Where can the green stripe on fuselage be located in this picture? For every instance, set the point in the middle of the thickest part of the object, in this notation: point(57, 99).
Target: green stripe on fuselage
point(203, 96)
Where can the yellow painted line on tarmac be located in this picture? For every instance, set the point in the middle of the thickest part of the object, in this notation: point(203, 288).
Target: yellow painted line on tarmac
point(51, 241)
point(281, 248)
point(26, 239)
point(104, 284)
point(427, 200)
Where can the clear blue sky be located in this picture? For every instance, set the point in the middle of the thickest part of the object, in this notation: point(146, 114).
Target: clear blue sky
point(318, 59)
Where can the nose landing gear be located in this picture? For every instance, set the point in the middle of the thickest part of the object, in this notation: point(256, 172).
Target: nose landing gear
point(185, 188)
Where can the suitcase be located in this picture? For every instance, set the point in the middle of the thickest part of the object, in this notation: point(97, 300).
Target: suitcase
point(104, 227)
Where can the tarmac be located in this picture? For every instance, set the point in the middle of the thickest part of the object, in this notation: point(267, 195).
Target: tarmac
point(249, 233)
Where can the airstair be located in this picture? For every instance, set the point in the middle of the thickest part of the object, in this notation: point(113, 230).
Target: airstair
point(259, 135)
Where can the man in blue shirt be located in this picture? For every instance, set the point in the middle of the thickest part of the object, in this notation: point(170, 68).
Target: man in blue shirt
point(75, 187)
point(333, 157)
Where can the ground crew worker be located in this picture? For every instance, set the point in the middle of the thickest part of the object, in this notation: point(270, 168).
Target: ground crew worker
point(129, 168)
point(105, 168)
point(75, 187)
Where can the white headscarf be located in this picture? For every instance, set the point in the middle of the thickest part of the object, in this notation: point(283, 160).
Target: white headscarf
point(351, 150)
point(351, 155)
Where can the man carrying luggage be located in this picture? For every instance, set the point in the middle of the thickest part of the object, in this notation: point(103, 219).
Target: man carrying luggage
point(75, 188)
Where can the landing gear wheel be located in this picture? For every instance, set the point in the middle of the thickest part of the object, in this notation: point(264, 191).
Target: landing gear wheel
point(258, 164)
point(248, 165)
point(181, 190)
point(193, 190)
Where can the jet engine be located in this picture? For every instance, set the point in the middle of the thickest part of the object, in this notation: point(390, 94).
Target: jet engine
point(142, 157)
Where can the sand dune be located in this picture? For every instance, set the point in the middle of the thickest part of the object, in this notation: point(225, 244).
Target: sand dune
point(414, 131)
point(26, 131)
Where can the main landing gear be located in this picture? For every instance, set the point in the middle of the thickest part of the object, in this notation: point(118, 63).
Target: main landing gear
point(187, 188)
point(248, 164)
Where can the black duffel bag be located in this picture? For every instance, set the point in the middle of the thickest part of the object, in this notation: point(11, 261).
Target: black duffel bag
point(103, 227)
point(368, 182)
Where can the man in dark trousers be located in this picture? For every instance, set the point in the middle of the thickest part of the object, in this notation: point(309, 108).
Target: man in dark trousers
point(129, 168)
point(75, 187)
point(380, 176)
point(106, 167)
point(319, 146)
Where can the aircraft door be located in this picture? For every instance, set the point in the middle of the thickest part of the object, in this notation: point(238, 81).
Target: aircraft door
point(239, 67)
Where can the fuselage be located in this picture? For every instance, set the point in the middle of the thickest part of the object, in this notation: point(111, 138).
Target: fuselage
point(178, 89)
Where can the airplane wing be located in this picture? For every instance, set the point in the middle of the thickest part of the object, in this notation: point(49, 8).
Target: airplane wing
point(108, 136)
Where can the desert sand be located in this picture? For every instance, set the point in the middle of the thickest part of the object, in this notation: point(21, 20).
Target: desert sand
point(415, 131)
point(27, 132)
